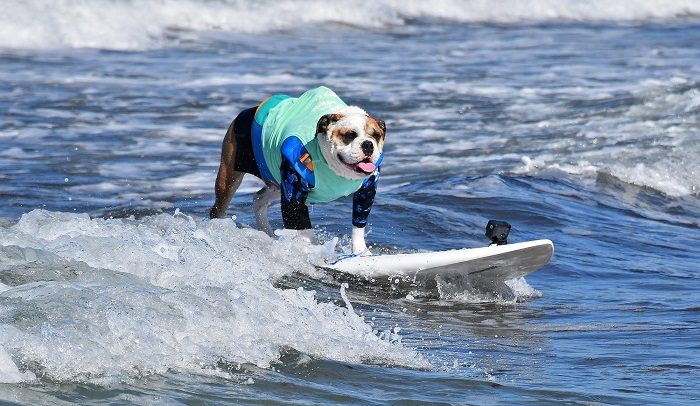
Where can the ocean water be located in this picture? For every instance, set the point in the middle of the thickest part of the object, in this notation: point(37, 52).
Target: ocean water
point(576, 121)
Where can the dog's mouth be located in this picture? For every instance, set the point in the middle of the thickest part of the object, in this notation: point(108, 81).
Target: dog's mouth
point(365, 166)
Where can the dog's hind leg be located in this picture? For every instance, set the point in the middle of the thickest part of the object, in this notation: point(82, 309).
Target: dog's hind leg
point(228, 179)
point(225, 188)
point(261, 202)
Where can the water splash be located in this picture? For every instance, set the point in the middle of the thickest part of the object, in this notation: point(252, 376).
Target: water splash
point(102, 299)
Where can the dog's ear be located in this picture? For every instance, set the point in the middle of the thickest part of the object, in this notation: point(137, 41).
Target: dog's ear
point(378, 126)
point(381, 125)
point(325, 121)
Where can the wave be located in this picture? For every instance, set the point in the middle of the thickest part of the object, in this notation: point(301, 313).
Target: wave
point(667, 177)
point(135, 25)
point(650, 143)
point(102, 300)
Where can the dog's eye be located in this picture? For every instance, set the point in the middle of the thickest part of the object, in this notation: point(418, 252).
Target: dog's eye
point(348, 137)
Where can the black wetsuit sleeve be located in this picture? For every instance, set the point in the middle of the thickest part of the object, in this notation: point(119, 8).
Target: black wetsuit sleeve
point(295, 190)
point(363, 199)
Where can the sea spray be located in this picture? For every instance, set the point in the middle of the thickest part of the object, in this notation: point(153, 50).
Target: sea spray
point(343, 294)
point(123, 298)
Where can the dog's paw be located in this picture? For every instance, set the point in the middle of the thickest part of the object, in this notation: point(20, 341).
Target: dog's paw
point(213, 213)
point(364, 253)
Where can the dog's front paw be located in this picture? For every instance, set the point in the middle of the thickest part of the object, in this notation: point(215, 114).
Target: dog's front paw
point(360, 249)
point(358, 240)
point(364, 253)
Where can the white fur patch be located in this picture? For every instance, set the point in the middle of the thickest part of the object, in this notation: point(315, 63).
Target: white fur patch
point(352, 110)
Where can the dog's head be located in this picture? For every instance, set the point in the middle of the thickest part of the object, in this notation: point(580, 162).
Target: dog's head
point(351, 141)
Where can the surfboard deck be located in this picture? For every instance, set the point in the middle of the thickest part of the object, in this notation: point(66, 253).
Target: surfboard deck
point(480, 266)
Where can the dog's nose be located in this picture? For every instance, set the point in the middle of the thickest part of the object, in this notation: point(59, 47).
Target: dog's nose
point(367, 147)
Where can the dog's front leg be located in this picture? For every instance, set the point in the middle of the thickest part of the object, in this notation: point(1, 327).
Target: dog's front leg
point(358, 240)
point(362, 202)
point(294, 191)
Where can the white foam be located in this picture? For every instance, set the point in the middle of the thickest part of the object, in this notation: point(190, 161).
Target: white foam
point(669, 175)
point(197, 182)
point(202, 183)
point(513, 11)
point(247, 79)
point(9, 373)
point(519, 290)
point(168, 292)
point(102, 187)
point(670, 178)
point(652, 142)
point(118, 24)
point(522, 289)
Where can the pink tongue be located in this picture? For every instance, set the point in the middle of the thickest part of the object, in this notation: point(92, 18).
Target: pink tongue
point(366, 167)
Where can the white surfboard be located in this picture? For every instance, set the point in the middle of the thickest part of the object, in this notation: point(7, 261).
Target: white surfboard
point(486, 266)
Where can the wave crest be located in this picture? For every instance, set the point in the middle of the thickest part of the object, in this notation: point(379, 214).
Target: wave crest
point(129, 25)
point(101, 300)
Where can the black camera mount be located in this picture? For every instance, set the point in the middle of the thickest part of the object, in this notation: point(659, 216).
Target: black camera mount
point(497, 232)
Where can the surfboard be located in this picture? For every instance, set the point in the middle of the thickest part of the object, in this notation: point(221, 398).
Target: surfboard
point(484, 267)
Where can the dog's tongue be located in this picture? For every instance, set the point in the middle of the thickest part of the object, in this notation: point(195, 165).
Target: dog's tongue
point(366, 167)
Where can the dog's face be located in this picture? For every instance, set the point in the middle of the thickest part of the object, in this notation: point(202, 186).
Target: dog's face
point(351, 142)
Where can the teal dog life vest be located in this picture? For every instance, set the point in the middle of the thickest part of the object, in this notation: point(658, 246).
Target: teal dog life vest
point(285, 125)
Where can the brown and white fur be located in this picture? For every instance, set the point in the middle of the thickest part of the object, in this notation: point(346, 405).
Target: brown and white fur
point(350, 140)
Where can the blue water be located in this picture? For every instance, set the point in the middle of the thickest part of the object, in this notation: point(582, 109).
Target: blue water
point(580, 126)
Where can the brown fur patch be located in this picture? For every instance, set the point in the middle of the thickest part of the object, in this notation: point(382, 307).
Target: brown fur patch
point(375, 129)
point(343, 135)
point(325, 121)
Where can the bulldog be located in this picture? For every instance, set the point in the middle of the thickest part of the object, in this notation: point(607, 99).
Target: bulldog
point(310, 149)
